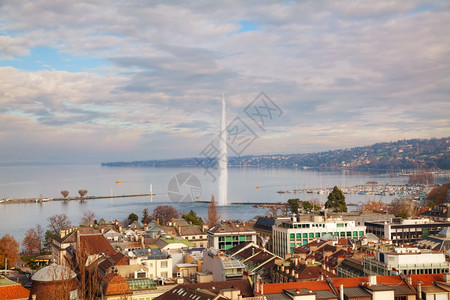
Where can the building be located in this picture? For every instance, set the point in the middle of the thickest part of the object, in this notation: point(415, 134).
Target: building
point(295, 232)
point(439, 242)
point(405, 231)
point(223, 267)
point(146, 263)
point(193, 234)
point(220, 290)
point(60, 244)
point(258, 261)
point(54, 282)
point(405, 261)
point(440, 213)
point(398, 287)
point(227, 235)
point(263, 227)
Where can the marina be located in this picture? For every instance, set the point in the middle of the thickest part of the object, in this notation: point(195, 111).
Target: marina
point(366, 189)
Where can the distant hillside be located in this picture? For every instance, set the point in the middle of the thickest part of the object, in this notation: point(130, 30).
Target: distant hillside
point(403, 154)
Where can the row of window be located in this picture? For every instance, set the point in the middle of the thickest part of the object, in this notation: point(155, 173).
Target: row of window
point(312, 235)
point(235, 238)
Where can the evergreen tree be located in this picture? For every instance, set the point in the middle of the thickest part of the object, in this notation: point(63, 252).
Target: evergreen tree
point(192, 217)
point(336, 200)
point(294, 205)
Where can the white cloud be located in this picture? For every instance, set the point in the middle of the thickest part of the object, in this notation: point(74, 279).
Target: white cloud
point(345, 73)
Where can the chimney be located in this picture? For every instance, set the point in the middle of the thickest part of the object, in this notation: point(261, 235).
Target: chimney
point(419, 290)
point(293, 272)
point(447, 277)
point(341, 292)
point(320, 276)
point(33, 297)
point(282, 268)
point(409, 279)
point(372, 280)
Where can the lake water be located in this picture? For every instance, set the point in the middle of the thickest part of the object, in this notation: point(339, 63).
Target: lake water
point(30, 181)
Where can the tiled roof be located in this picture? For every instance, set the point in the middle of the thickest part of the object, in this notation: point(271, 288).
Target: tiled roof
point(264, 223)
point(11, 290)
point(237, 248)
point(96, 244)
point(114, 284)
point(241, 284)
point(191, 230)
point(230, 228)
point(273, 288)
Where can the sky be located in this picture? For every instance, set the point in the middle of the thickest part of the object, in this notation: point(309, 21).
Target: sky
point(94, 81)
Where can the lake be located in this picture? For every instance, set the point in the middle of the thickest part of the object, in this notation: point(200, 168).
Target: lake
point(31, 181)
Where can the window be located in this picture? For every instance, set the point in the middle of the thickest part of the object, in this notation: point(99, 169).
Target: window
point(311, 235)
point(355, 233)
point(164, 274)
point(292, 235)
point(317, 234)
point(361, 233)
point(164, 264)
point(299, 236)
point(305, 235)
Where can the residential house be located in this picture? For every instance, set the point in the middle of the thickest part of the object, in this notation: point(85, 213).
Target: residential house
point(227, 235)
point(223, 267)
point(407, 261)
point(12, 290)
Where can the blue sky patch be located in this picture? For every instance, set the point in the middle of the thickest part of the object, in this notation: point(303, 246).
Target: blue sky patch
point(47, 58)
point(248, 26)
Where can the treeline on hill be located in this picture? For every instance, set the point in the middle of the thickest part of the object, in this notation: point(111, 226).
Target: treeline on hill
point(438, 195)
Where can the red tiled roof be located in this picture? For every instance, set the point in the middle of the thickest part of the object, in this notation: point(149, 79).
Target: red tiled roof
point(97, 244)
point(14, 291)
point(114, 284)
point(274, 288)
point(426, 279)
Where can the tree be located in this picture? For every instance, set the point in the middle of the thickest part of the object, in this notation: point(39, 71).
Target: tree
point(192, 217)
point(49, 235)
point(336, 200)
point(65, 193)
point(145, 216)
point(294, 205)
point(58, 222)
point(132, 217)
point(82, 193)
point(165, 213)
point(40, 234)
point(9, 249)
point(88, 217)
point(31, 242)
point(213, 217)
point(403, 208)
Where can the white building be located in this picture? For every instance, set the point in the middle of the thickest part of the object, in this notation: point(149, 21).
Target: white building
point(406, 261)
point(292, 233)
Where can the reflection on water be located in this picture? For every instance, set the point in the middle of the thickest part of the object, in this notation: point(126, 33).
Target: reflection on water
point(31, 181)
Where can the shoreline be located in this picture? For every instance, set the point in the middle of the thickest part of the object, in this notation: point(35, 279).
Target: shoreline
point(42, 200)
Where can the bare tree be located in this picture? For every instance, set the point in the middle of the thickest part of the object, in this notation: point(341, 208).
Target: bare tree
point(31, 242)
point(213, 217)
point(88, 276)
point(65, 193)
point(82, 193)
point(165, 213)
point(41, 235)
point(88, 217)
point(404, 208)
point(58, 222)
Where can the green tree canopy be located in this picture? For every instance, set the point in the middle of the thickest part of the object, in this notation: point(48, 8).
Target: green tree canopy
point(293, 205)
point(132, 217)
point(192, 217)
point(336, 200)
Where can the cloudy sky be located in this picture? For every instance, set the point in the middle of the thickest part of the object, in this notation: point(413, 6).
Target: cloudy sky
point(92, 81)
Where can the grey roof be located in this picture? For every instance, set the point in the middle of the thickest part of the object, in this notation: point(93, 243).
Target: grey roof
point(53, 272)
point(355, 291)
point(444, 233)
point(402, 290)
point(325, 295)
point(278, 296)
point(380, 287)
point(372, 236)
